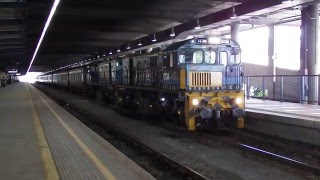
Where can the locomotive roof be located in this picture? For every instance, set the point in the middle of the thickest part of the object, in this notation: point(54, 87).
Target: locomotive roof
point(177, 45)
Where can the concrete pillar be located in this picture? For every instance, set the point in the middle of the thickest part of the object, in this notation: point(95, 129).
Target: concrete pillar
point(271, 59)
point(235, 31)
point(271, 51)
point(309, 46)
point(303, 61)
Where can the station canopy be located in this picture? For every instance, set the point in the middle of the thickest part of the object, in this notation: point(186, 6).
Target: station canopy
point(84, 29)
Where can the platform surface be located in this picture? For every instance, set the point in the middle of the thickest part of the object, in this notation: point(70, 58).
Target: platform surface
point(40, 140)
point(306, 111)
point(294, 121)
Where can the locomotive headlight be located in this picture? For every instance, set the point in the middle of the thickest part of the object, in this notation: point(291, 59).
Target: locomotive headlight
point(238, 100)
point(195, 102)
point(162, 99)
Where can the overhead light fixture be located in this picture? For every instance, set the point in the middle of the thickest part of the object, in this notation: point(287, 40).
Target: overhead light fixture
point(140, 44)
point(197, 25)
point(154, 38)
point(110, 52)
point(172, 34)
point(52, 11)
point(104, 54)
point(98, 56)
point(118, 50)
point(128, 47)
point(286, 1)
point(233, 15)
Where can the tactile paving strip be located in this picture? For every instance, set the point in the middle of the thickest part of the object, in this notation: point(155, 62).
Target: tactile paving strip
point(71, 161)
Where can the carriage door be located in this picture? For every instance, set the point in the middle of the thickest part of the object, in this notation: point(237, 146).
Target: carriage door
point(170, 71)
point(119, 72)
point(94, 76)
point(154, 70)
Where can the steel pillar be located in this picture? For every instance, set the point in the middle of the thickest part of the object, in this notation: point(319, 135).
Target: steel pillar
point(309, 46)
point(235, 32)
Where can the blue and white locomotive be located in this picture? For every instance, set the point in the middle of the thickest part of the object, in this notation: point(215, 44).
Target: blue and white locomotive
point(197, 82)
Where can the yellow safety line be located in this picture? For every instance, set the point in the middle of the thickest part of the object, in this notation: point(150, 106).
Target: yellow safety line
point(49, 166)
point(104, 170)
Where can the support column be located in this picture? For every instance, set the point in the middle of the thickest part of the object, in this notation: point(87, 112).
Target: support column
point(235, 31)
point(271, 58)
point(303, 61)
point(310, 23)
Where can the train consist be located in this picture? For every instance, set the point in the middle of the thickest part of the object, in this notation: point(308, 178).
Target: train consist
point(196, 82)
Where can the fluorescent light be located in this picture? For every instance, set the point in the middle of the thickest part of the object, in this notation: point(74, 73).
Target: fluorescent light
point(233, 15)
point(172, 34)
point(139, 44)
point(53, 10)
point(154, 38)
point(197, 25)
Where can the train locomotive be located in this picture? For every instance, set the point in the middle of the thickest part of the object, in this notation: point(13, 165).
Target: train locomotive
point(196, 82)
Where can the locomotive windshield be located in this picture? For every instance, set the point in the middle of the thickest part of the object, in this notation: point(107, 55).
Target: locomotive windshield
point(197, 56)
point(235, 56)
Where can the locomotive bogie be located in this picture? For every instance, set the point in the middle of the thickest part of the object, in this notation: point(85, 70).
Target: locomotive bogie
point(218, 109)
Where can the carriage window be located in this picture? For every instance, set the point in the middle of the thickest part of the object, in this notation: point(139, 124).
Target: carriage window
point(210, 57)
point(197, 57)
point(223, 58)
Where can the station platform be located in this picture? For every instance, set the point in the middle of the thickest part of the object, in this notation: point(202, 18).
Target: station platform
point(40, 140)
point(293, 121)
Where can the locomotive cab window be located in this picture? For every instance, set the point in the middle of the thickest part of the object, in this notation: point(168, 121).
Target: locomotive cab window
point(190, 55)
point(210, 56)
point(235, 56)
point(197, 56)
point(223, 56)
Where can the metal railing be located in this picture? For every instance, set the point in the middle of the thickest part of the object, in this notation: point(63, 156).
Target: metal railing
point(284, 88)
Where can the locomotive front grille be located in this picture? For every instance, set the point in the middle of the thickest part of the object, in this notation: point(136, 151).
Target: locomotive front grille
point(205, 79)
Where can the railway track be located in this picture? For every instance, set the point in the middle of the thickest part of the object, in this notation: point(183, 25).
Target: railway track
point(182, 170)
point(287, 160)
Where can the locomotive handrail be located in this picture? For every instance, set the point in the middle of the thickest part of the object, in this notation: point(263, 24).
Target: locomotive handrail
point(237, 71)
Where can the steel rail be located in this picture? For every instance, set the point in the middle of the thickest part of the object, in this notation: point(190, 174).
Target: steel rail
point(288, 160)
